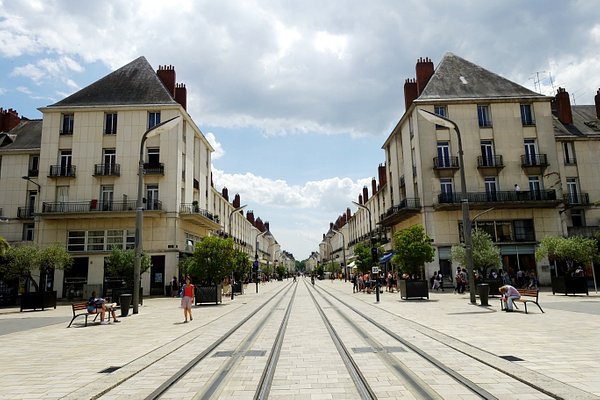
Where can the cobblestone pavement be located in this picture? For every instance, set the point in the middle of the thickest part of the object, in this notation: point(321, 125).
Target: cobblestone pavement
point(41, 358)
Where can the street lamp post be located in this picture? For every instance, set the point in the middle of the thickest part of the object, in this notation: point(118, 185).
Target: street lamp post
point(448, 123)
point(373, 248)
point(231, 235)
point(343, 253)
point(139, 210)
point(256, 263)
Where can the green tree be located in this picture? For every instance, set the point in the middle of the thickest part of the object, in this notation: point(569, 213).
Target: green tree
point(22, 261)
point(485, 253)
point(412, 249)
point(212, 261)
point(281, 271)
point(364, 259)
point(4, 246)
point(572, 250)
point(120, 263)
point(241, 265)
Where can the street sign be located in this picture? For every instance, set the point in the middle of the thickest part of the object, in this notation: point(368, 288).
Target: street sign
point(375, 270)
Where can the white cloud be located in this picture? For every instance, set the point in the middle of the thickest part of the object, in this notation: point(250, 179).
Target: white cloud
point(29, 71)
point(219, 151)
point(24, 89)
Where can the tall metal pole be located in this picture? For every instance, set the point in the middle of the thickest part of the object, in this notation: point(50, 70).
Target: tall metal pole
point(448, 123)
point(343, 253)
point(231, 235)
point(373, 248)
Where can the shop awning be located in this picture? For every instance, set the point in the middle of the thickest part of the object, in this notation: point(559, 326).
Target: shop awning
point(352, 265)
point(386, 257)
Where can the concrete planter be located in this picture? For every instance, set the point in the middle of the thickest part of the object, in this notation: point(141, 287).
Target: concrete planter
point(35, 300)
point(569, 285)
point(209, 294)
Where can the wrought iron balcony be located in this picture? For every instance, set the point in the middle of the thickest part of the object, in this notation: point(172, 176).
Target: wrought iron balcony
point(445, 162)
point(62, 170)
point(154, 168)
point(83, 207)
point(534, 160)
point(499, 197)
point(490, 162)
point(25, 212)
point(400, 211)
point(574, 199)
point(107, 170)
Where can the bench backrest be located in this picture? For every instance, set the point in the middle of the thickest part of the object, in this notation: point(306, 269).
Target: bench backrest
point(79, 306)
point(529, 292)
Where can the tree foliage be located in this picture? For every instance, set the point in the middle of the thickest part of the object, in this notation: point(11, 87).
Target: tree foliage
point(120, 263)
point(412, 248)
point(241, 265)
point(4, 246)
point(571, 250)
point(212, 261)
point(485, 253)
point(364, 259)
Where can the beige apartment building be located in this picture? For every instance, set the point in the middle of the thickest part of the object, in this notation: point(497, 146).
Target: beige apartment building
point(72, 178)
point(529, 166)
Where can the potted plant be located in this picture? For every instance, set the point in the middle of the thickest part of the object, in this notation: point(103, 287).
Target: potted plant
point(412, 249)
point(119, 268)
point(212, 261)
point(21, 261)
point(241, 269)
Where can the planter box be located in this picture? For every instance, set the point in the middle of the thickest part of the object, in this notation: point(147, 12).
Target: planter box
point(567, 284)
point(238, 288)
point(35, 300)
point(209, 294)
point(413, 289)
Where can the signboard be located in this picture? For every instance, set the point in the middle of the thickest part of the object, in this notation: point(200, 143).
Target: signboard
point(375, 270)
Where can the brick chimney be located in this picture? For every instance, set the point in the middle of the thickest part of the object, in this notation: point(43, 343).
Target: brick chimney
point(250, 217)
point(424, 70)
point(259, 224)
point(382, 176)
point(360, 201)
point(365, 194)
point(9, 119)
point(166, 74)
point(373, 186)
point(563, 106)
point(236, 201)
point(225, 193)
point(410, 92)
point(267, 225)
point(181, 95)
point(597, 100)
point(348, 213)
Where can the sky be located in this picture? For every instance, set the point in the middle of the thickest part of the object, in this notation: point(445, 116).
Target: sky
point(297, 97)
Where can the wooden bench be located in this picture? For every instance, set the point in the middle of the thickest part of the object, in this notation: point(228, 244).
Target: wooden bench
point(81, 308)
point(532, 297)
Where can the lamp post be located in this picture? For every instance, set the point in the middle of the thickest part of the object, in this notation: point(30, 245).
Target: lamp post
point(139, 210)
point(343, 253)
point(35, 206)
point(231, 235)
point(373, 248)
point(448, 123)
point(256, 263)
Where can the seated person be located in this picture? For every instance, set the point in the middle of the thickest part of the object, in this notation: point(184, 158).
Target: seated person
point(509, 295)
point(95, 303)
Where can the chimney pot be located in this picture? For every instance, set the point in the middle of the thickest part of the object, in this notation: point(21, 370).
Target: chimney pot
point(424, 71)
point(167, 77)
point(365, 194)
point(597, 101)
point(563, 106)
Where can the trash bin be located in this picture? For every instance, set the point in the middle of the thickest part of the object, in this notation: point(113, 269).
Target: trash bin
point(484, 291)
point(125, 300)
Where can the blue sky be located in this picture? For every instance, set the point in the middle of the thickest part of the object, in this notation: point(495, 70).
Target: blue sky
point(297, 97)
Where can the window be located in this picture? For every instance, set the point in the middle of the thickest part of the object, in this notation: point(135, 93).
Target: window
point(106, 197)
point(530, 152)
point(34, 166)
point(441, 111)
point(100, 240)
point(535, 188)
point(67, 124)
point(447, 188)
point(154, 156)
point(527, 115)
point(31, 202)
point(66, 157)
point(487, 153)
point(569, 151)
point(28, 232)
point(152, 197)
point(573, 191)
point(95, 241)
point(110, 124)
point(153, 119)
point(76, 241)
point(62, 194)
point(443, 152)
point(577, 218)
point(484, 117)
point(524, 230)
point(490, 189)
point(109, 160)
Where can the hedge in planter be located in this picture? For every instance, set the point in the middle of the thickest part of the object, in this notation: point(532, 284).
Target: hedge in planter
point(212, 261)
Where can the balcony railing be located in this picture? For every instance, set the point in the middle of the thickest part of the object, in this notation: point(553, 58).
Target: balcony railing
point(189, 208)
point(490, 162)
point(406, 204)
point(534, 160)
point(62, 170)
point(107, 170)
point(154, 168)
point(498, 196)
point(445, 162)
point(75, 207)
point(25, 212)
point(582, 199)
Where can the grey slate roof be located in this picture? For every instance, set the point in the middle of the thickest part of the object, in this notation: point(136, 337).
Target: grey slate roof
point(25, 136)
point(456, 78)
point(585, 122)
point(134, 83)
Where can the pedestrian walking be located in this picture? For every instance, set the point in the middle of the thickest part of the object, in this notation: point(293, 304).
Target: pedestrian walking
point(187, 297)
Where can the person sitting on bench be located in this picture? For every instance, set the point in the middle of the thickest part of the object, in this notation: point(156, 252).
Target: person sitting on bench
point(509, 294)
point(98, 303)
